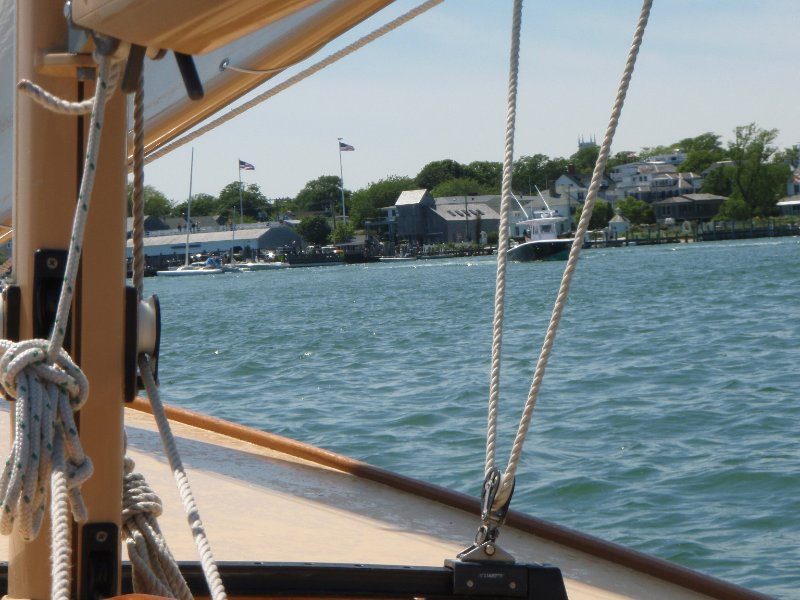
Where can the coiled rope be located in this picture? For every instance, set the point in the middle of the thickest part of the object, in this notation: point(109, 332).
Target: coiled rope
point(305, 74)
point(49, 388)
point(563, 292)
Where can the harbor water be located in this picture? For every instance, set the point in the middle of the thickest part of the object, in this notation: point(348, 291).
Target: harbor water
point(668, 420)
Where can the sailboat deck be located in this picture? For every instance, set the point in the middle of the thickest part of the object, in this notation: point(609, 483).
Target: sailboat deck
point(259, 504)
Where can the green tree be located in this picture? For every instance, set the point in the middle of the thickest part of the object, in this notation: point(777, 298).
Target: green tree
point(437, 172)
point(364, 203)
point(461, 186)
point(636, 211)
point(719, 181)
point(488, 173)
point(602, 213)
point(754, 179)
point(156, 204)
point(315, 230)
point(585, 159)
point(733, 209)
point(253, 203)
point(621, 158)
point(529, 172)
point(554, 168)
point(343, 233)
point(321, 194)
point(702, 151)
point(203, 205)
point(649, 151)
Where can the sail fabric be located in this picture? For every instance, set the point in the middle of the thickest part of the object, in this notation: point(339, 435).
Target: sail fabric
point(168, 112)
point(8, 17)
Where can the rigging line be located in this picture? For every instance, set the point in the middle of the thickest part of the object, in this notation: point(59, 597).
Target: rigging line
point(583, 226)
point(138, 187)
point(155, 570)
point(316, 67)
point(210, 570)
point(502, 242)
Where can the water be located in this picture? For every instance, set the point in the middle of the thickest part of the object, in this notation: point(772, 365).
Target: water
point(667, 421)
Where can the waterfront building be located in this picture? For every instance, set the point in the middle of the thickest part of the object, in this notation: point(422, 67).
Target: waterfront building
point(688, 207)
point(651, 181)
point(220, 240)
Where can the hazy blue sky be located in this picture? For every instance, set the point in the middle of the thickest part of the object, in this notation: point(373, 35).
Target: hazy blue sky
point(436, 89)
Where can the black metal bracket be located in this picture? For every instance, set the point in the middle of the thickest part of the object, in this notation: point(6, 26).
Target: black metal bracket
point(507, 580)
point(131, 335)
point(12, 298)
point(49, 267)
point(99, 561)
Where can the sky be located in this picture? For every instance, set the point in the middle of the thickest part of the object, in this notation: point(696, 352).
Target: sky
point(436, 88)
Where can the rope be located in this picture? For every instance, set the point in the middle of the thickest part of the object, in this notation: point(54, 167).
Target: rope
point(315, 68)
point(502, 243)
point(583, 225)
point(182, 480)
point(49, 388)
point(155, 570)
point(64, 107)
point(138, 186)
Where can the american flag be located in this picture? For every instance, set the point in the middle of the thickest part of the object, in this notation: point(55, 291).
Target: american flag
point(345, 147)
point(246, 166)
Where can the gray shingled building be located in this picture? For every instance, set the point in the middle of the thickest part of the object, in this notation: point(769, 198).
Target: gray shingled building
point(426, 220)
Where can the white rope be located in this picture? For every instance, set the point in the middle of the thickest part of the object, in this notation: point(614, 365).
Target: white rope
point(48, 389)
point(64, 107)
point(154, 569)
point(306, 73)
point(502, 241)
point(182, 480)
point(583, 225)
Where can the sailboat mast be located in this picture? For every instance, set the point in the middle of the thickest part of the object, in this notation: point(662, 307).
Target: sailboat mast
point(45, 201)
point(189, 208)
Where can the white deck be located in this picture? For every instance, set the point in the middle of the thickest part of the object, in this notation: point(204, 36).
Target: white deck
point(258, 504)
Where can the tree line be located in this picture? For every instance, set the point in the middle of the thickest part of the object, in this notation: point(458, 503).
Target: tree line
point(750, 171)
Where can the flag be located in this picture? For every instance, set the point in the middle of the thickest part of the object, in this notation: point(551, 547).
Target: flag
point(245, 166)
point(345, 147)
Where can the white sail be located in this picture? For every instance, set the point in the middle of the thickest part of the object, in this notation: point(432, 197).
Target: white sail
point(7, 93)
point(168, 110)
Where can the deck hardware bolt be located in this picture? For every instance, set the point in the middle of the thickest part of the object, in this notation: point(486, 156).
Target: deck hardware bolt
point(512, 585)
point(470, 583)
point(101, 536)
point(52, 263)
point(489, 549)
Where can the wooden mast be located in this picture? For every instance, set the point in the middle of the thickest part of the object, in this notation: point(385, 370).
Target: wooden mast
point(49, 152)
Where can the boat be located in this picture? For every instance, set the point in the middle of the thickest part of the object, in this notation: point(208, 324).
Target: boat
point(405, 258)
point(190, 271)
point(211, 266)
point(264, 266)
point(541, 239)
point(298, 520)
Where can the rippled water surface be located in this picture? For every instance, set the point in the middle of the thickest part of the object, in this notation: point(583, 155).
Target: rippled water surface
point(668, 420)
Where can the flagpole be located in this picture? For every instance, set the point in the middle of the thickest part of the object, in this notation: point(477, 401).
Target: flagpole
point(341, 177)
point(241, 214)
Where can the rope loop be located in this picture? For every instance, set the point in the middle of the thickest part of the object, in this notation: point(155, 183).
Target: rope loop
point(32, 354)
point(47, 396)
